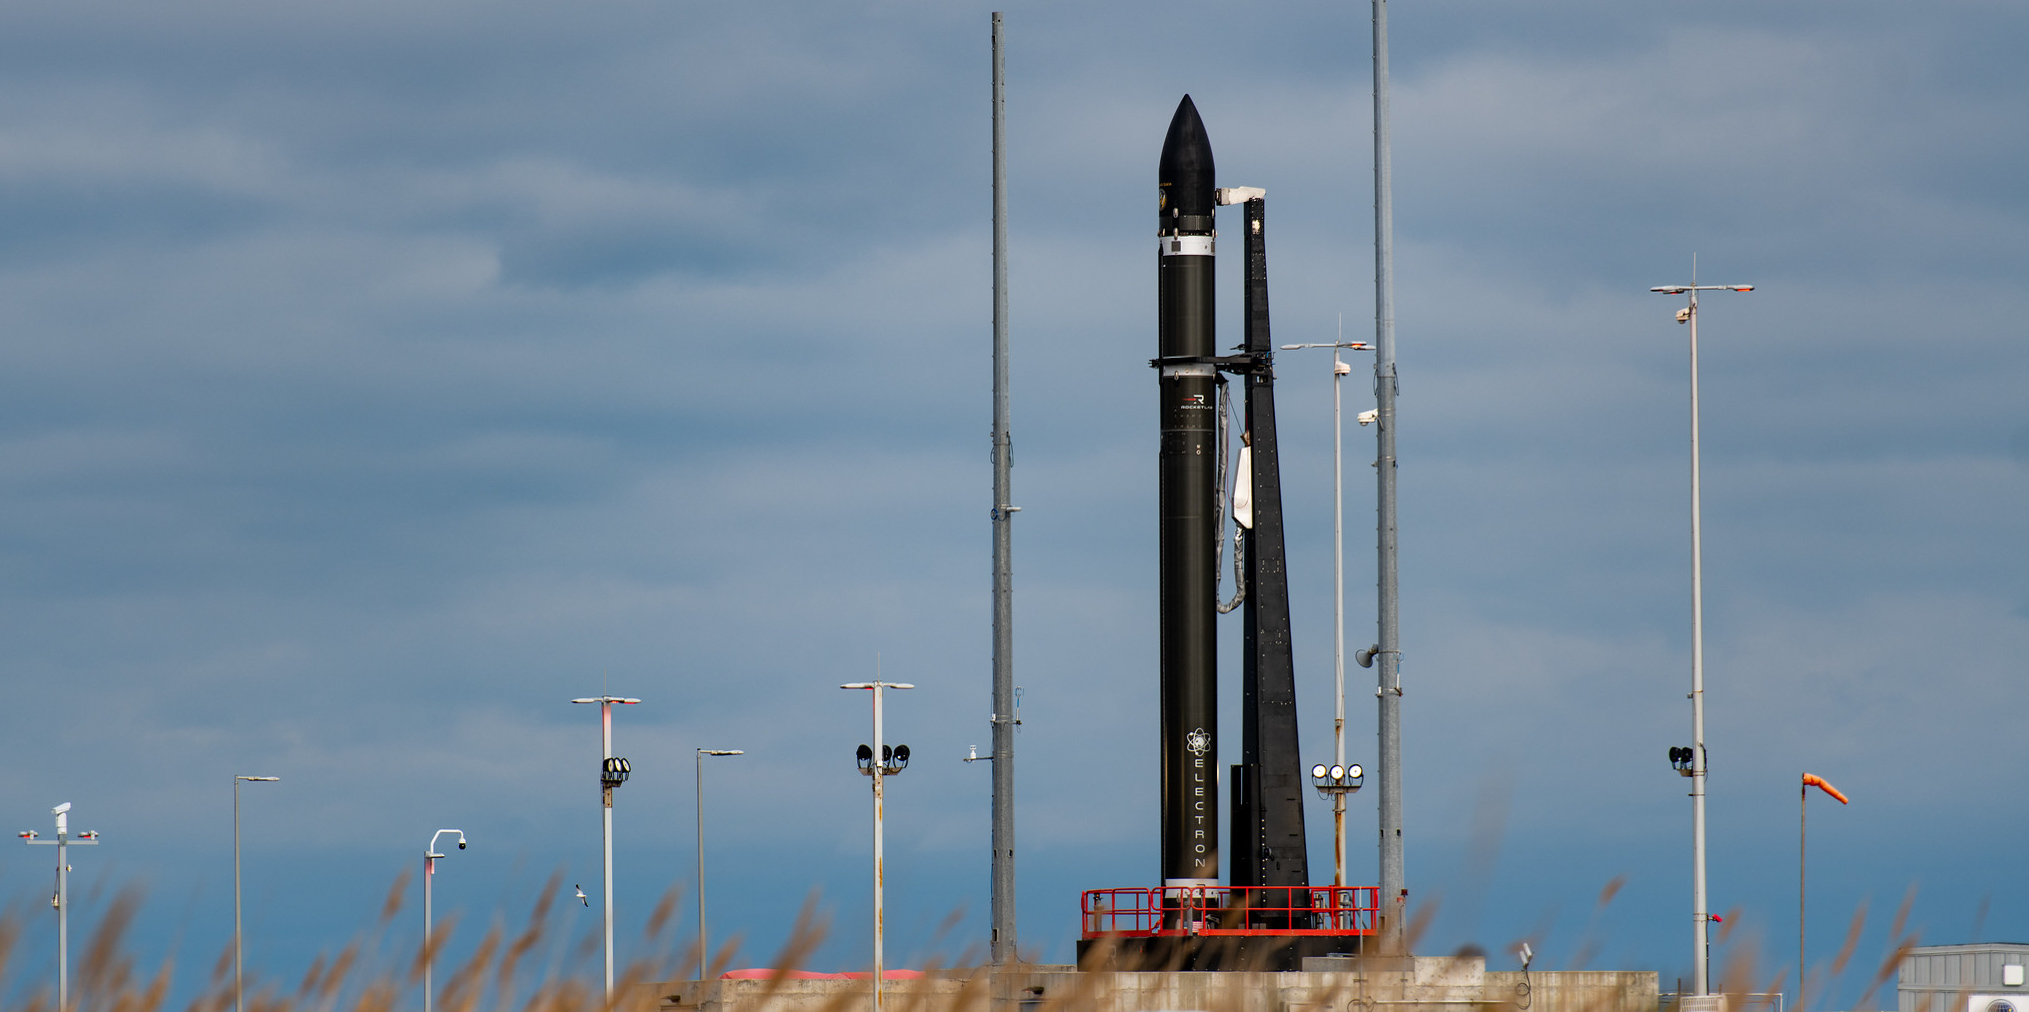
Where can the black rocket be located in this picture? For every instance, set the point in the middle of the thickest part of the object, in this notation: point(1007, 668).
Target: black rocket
point(1267, 784)
point(1265, 915)
point(1188, 497)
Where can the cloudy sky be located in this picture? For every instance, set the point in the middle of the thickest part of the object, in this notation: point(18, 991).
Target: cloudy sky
point(376, 377)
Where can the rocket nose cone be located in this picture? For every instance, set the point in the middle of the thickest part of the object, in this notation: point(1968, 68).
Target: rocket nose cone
point(1185, 173)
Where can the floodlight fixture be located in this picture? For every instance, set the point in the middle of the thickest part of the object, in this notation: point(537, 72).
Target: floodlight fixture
point(1336, 781)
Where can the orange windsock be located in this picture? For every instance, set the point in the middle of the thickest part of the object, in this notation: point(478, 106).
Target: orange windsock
point(1813, 780)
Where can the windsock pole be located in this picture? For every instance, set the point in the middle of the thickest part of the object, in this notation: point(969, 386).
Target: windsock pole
point(1803, 813)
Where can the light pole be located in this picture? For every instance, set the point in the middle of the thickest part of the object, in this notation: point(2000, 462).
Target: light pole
point(238, 940)
point(1335, 782)
point(430, 857)
point(613, 771)
point(63, 843)
point(1693, 764)
point(1803, 808)
point(879, 762)
point(1340, 370)
point(704, 951)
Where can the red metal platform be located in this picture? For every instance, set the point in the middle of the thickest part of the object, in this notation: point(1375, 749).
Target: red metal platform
point(1228, 910)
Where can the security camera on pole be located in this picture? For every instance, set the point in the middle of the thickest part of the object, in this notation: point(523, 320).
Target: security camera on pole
point(613, 771)
point(61, 900)
point(1690, 760)
point(430, 857)
point(890, 762)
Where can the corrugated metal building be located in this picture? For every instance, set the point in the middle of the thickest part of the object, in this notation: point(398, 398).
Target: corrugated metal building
point(1987, 977)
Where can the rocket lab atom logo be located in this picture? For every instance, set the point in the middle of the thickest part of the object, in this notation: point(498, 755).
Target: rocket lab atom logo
point(1198, 742)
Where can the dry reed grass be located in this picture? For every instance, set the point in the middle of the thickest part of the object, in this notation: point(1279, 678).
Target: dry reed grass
point(499, 975)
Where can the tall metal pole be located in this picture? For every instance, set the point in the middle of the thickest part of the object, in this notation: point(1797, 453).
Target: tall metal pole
point(1803, 823)
point(606, 811)
point(238, 938)
point(238, 951)
point(703, 950)
point(1339, 371)
point(611, 775)
point(1700, 914)
point(1701, 921)
point(62, 918)
point(1388, 658)
point(875, 764)
point(880, 857)
point(1001, 942)
point(430, 857)
point(429, 916)
point(62, 843)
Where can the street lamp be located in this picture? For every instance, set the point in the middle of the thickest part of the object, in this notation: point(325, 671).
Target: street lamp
point(1693, 764)
point(613, 771)
point(1340, 370)
point(63, 843)
point(430, 857)
point(238, 939)
point(704, 951)
point(891, 761)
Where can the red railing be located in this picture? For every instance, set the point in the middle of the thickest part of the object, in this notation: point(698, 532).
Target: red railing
point(1230, 910)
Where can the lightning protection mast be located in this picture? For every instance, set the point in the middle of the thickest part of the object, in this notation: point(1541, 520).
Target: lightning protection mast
point(1001, 943)
point(1387, 654)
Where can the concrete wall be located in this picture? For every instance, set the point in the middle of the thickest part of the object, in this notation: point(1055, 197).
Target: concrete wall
point(1419, 985)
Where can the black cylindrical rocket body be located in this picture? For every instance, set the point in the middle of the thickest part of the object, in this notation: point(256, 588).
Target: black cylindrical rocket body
point(1187, 531)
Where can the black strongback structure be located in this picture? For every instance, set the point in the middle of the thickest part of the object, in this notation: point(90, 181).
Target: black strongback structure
point(1267, 817)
